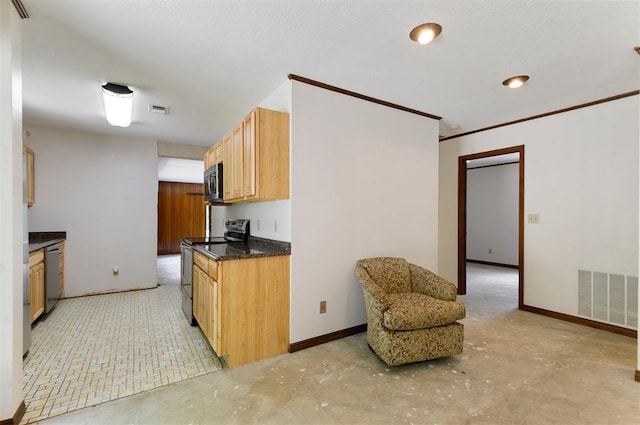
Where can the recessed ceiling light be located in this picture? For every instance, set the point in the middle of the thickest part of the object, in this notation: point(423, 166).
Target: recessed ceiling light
point(515, 82)
point(425, 33)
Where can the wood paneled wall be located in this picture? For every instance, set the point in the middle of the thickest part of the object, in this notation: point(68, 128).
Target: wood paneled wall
point(181, 213)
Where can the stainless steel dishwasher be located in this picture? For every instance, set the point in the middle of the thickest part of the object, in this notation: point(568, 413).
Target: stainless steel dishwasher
point(51, 258)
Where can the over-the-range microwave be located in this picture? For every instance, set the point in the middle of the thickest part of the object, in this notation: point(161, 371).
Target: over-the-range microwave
point(213, 183)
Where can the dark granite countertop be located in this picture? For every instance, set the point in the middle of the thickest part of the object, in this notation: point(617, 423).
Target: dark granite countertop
point(254, 248)
point(39, 240)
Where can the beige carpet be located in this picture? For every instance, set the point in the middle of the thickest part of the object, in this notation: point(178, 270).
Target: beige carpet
point(94, 349)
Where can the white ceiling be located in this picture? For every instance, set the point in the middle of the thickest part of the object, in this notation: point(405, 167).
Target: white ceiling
point(212, 61)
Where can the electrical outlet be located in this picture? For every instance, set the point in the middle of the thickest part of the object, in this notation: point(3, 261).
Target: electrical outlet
point(490, 251)
point(275, 226)
point(323, 307)
point(116, 271)
point(534, 218)
point(257, 224)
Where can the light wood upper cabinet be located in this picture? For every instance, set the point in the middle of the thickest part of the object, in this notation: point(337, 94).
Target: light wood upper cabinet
point(31, 193)
point(237, 176)
point(208, 156)
point(255, 155)
point(227, 159)
point(250, 164)
point(213, 155)
point(266, 148)
point(36, 283)
point(217, 153)
point(232, 155)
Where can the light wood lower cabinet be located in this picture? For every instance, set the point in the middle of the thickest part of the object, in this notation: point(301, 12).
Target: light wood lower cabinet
point(61, 270)
point(242, 307)
point(36, 283)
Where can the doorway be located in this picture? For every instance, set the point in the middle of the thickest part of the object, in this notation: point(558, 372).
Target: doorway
point(181, 214)
point(493, 158)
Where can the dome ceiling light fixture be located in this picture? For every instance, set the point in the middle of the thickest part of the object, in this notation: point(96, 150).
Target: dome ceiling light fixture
point(118, 104)
point(515, 82)
point(425, 33)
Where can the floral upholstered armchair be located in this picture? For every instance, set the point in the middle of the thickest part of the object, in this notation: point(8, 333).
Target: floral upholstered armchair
point(411, 312)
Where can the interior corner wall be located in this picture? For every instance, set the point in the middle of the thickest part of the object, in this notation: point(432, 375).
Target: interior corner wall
point(492, 214)
point(581, 177)
point(637, 376)
point(11, 213)
point(103, 191)
point(364, 183)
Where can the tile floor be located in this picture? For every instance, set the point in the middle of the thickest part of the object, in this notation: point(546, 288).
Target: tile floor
point(100, 348)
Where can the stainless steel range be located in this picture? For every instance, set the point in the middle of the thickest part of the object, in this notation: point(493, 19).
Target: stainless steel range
point(236, 230)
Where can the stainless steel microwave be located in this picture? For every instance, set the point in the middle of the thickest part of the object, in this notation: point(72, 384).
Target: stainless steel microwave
point(213, 183)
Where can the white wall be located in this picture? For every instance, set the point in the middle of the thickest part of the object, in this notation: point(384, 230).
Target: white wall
point(103, 191)
point(270, 220)
point(581, 176)
point(637, 376)
point(492, 214)
point(11, 215)
point(364, 183)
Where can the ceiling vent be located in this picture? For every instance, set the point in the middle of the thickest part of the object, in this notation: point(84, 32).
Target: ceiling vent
point(157, 109)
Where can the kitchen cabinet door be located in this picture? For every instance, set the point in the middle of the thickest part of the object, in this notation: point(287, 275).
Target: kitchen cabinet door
point(250, 164)
point(237, 175)
point(197, 296)
point(36, 286)
point(31, 192)
point(61, 270)
point(212, 313)
point(205, 292)
point(227, 161)
point(266, 155)
point(217, 153)
point(232, 152)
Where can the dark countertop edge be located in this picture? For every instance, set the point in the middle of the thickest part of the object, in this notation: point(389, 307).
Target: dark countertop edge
point(34, 246)
point(270, 244)
point(39, 237)
point(270, 248)
point(241, 256)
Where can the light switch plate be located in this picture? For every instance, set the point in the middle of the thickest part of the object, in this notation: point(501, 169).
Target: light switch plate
point(534, 218)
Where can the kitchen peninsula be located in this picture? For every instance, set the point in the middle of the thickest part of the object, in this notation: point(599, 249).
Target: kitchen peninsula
point(241, 298)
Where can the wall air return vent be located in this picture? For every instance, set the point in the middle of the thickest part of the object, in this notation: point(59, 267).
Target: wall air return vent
point(157, 109)
point(608, 297)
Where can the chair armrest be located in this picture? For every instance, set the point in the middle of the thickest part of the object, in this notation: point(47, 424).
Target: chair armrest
point(374, 294)
point(429, 283)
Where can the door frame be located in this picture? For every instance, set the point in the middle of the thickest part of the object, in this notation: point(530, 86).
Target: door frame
point(462, 217)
